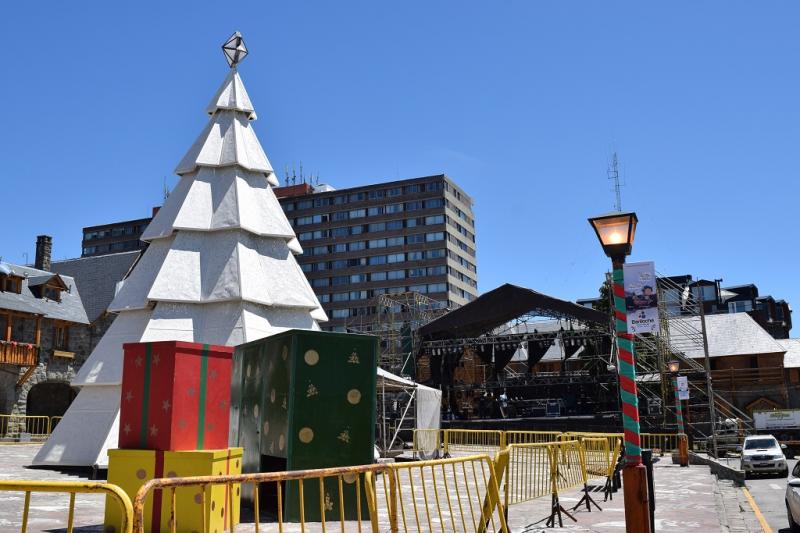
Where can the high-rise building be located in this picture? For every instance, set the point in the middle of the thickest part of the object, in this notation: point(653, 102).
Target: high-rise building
point(115, 237)
point(414, 235)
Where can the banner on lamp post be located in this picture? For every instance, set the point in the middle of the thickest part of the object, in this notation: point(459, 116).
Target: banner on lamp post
point(683, 388)
point(641, 301)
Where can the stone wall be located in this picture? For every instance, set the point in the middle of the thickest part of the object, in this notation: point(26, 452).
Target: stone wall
point(51, 369)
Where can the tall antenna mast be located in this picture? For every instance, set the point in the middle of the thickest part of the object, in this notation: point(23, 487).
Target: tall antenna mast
point(613, 174)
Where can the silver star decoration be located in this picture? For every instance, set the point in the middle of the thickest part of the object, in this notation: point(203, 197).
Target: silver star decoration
point(165, 405)
point(190, 391)
point(138, 361)
point(234, 49)
point(127, 429)
point(212, 374)
point(128, 396)
point(156, 359)
point(153, 430)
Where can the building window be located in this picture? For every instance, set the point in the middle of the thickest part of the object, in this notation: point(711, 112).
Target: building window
point(394, 224)
point(377, 260)
point(60, 337)
point(11, 284)
point(358, 278)
point(377, 226)
point(435, 219)
point(394, 208)
point(377, 243)
point(320, 282)
point(397, 274)
point(396, 258)
point(377, 276)
point(395, 191)
point(340, 313)
point(740, 307)
point(437, 287)
point(374, 211)
point(358, 213)
point(52, 293)
point(416, 272)
point(357, 245)
point(434, 202)
point(417, 238)
point(413, 206)
point(395, 241)
point(415, 256)
point(431, 237)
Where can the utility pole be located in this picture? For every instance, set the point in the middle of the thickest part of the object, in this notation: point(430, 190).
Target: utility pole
point(712, 410)
point(613, 174)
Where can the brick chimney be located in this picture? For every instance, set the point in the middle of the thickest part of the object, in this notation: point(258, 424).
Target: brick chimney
point(44, 248)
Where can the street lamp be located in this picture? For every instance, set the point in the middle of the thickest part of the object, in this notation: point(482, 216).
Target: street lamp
point(683, 444)
point(616, 232)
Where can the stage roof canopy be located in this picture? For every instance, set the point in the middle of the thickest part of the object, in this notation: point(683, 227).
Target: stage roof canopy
point(501, 305)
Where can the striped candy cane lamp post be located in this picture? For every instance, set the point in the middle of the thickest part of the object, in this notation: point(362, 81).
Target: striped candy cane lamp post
point(683, 444)
point(616, 232)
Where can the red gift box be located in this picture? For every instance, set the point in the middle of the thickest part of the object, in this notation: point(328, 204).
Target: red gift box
point(175, 396)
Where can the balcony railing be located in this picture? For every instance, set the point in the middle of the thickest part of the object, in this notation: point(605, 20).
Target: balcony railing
point(19, 353)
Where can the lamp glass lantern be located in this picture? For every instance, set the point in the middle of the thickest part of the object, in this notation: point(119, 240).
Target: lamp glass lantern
point(616, 232)
point(674, 366)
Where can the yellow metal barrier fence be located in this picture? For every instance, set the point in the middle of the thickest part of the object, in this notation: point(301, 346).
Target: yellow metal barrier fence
point(534, 470)
point(72, 488)
point(22, 428)
point(661, 442)
point(428, 443)
point(449, 495)
point(342, 496)
point(460, 442)
point(529, 437)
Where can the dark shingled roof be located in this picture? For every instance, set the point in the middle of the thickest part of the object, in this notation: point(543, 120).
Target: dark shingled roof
point(498, 306)
point(70, 308)
point(97, 278)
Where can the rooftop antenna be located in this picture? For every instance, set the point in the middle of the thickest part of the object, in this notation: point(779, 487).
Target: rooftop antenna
point(294, 176)
point(165, 192)
point(613, 174)
point(286, 171)
point(302, 178)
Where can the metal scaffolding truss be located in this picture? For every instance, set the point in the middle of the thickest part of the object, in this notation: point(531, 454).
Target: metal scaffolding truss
point(395, 319)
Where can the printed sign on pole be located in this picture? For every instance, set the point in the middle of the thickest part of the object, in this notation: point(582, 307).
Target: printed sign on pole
point(641, 301)
point(683, 388)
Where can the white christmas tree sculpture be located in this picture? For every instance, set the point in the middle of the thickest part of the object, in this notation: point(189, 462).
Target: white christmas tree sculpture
point(219, 270)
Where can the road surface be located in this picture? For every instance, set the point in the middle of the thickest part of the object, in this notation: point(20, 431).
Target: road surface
point(768, 493)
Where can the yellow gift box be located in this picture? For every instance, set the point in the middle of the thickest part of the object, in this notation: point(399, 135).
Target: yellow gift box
point(130, 469)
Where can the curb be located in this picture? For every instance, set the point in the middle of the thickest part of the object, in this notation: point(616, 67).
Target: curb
point(718, 469)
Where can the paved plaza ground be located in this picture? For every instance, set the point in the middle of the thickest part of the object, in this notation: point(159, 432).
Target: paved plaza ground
point(687, 499)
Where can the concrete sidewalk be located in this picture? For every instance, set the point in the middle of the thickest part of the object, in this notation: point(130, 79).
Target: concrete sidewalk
point(687, 499)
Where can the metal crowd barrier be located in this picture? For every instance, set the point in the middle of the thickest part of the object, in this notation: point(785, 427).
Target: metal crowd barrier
point(460, 442)
point(427, 443)
point(457, 494)
point(526, 437)
point(71, 488)
point(22, 428)
point(661, 442)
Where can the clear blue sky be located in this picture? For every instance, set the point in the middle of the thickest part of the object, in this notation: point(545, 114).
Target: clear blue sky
point(520, 102)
